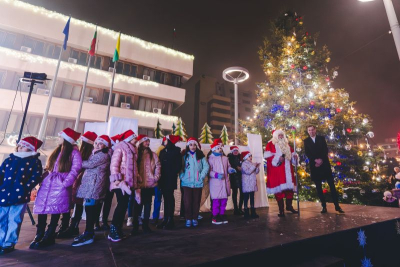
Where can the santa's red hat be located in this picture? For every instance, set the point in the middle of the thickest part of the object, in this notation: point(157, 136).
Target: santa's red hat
point(128, 136)
point(234, 148)
point(277, 132)
point(193, 140)
point(104, 139)
point(89, 137)
point(142, 137)
point(116, 139)
point(215, 145)
point(31, 143)
point(69, 135)
point(244, 155)
point(219, 141)
point(173, 138)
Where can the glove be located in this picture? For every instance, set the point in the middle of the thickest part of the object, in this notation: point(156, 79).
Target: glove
point(232, 170)
point(219, 175)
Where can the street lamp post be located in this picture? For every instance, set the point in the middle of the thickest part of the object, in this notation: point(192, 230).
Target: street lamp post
point(393, 22)
point(236, 75)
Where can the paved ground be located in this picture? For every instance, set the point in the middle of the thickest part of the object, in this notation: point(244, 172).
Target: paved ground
point(182, 247)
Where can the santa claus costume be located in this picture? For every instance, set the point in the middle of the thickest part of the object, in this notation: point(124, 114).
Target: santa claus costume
point(280, 177)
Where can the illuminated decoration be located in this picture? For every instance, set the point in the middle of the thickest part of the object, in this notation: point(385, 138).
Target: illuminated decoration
point(103, 31)
point(12, 140)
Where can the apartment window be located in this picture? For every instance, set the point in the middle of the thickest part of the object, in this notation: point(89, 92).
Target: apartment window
point(81, 57)
point(106, 95)
point(93, 93)
point(2, 77)
point(176, 80)
point(160, 77)
point(247, 109)
point(7, 39)
point(125, 69)
point(36, 45)
point(70, 91)
point(125, 99)
point(53, 51)
point(246, 102)
point(96, 62)
point(246, 94)
point(147, 131)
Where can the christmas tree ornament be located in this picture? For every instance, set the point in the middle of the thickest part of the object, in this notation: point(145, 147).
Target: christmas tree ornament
point(286, 107)
point(298, 149)
point(290, 87)
point(335, 74)
point(308, 76)
point(365, 120)
point(370, 135)
point(345, 196)
point(332, 112)
point(349, 130)
point(347, 147)
point(359, 153)
point(330, 126)
point(331, 90)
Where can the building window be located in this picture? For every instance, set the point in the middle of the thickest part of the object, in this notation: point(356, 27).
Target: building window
point(246, 102)
point(80, 56)
point(125, 68)
point(36, 45)
point(2, 77)
point(175, 80)
point(53, 51)
point(70, 91)
point(247, 109)
point(7, 39)
point(96, 62)
point(147, 131)
point(246, 94)
point(106, 95)
point(125, 99)
point(147, 104)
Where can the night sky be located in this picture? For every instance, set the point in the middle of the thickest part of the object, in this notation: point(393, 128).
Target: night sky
point(222, 33)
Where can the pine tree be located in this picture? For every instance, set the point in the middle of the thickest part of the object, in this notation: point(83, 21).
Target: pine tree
point(298, 92)
point(224, 136)
point(206, 136)
point(158, 131)
point(173, 128)
point(180, 130)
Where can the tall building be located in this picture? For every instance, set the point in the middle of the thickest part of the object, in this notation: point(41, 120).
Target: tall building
point(147, 84)
point(211, 100)
point(390, 148)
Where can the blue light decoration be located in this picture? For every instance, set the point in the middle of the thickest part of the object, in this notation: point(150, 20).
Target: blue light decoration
point(267, 120)
point(362, 238)
point(366, 262)
point(275, 108)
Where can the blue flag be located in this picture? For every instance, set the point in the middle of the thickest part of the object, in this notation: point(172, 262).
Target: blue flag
point(66, 32)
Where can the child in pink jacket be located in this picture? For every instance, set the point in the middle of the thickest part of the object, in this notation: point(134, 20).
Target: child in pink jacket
point(220, 187)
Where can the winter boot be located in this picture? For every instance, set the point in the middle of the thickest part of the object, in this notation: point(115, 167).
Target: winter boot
point(114, 235)
point(145, 227)
point(338, 209)
point(72, 230)
point(49, 237)
point(163, 224)
point(254, 215)
point(170, 224)
point(289, 206)
point(39, 235)
point(246, 213)
point(281, 206)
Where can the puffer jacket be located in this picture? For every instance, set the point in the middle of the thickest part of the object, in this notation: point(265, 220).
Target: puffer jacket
point(149, 171)
point(171, 165)
point(194, 171)
point(249, 177)
point(124, 168)
point(54, 194)
point(95, 177)
point(219, 188)
point(235, 178)
point(19, 174)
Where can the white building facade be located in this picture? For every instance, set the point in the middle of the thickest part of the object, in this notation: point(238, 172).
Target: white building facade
point(147, 83)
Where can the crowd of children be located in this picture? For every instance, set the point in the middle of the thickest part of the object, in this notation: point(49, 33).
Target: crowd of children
point(86, 178)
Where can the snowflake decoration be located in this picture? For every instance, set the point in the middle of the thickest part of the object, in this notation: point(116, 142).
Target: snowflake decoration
point(362, 239)
point(366, 262)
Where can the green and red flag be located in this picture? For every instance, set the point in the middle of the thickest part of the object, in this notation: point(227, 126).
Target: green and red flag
point(93, 45)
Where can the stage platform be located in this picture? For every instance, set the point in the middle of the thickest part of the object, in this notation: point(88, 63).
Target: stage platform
point(313, 239)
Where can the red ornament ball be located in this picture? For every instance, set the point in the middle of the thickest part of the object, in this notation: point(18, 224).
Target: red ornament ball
point(349, 130)
point(305, 68)
point(312, 103)
point(325, 191)
point(338, 110)
point(292, 66)
point(327, 79)
point(338, 163)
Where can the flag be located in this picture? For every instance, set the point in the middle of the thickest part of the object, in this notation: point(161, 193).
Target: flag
point(66, 32)
point(93, 45)
point(116, 52)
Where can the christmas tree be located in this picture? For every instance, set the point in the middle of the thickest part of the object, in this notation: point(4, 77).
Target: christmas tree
point(173, 128)
point(180, 130)
point(224, 136)
point(299, 91)
point(206, 136)
point(158, 131)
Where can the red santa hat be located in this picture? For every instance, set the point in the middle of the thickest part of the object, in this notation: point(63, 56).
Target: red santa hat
point(193, 140)
point(173, 138)
point(31, 143)
point(104, 139)
point(245, 155)
point(216, 144)
point(89, 137)
point(234, 148)
point(142, 137)
point(69, 135)
point(128, 136)
point(276, 133)
point(219, 141)
point(116, 139)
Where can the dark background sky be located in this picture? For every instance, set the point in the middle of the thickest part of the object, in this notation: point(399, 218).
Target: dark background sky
point(222, 33)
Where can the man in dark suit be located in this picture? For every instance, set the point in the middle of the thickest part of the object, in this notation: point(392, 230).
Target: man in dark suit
point(316, 150)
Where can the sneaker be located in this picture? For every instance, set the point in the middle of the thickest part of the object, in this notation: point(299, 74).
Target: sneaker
point(114, 235)
point(195, 223)
point(224, 218)
point(188, 223)
point(129, 223)
point(216, 220)
point(6, 250)
point(84, 239)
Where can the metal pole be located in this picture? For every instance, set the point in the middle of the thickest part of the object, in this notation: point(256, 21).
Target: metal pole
point(394, 24)
point(111, 90)
point(78, 117)
point(20, 135)
point(236, 113)
point(43, 125)
point(295, 173)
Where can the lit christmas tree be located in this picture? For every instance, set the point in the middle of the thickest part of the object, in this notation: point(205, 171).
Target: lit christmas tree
point(158, 131)
point(180, 130)
point(299, 92)
point(206, 136)
point(224, 136)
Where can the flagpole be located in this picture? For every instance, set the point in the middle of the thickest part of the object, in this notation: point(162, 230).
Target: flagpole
point(111, 90)
point(78, 117)
point(43, 125)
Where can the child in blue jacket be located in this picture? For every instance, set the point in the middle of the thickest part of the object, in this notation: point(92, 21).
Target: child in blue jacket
point(19, 174)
